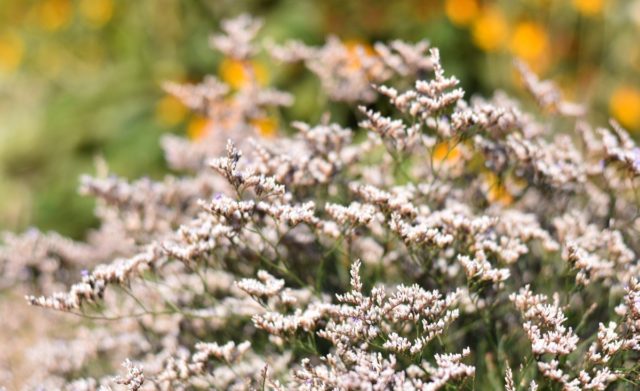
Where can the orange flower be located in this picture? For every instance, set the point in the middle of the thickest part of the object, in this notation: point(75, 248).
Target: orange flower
point(238, 74)
point(266, 126)
point(589, 7)
point(53, 15)
point(97, 12)
point(624, 105)
point(490, 29)
point(11, 52)
point(461, 12)
point(446, 152)
point(353, 47)
point(198, 127)
point(170, 111)
point(529, 41)
point(496, 191)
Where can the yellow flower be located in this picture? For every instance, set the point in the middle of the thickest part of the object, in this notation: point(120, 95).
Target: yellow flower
point(529, 41)
point(266, 126)
point(461, 12)
point(353, 47)
point(198, 127)
point(170, 111)
point(11, 52)
point(624, 105)
point(496, 191)
point(589, 7)
point(53, 15)
point(446, 152)
point(238, 74)
point(97, 12)
point(489, 30)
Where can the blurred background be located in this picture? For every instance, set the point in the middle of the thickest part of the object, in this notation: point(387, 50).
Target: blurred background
point(81, 79)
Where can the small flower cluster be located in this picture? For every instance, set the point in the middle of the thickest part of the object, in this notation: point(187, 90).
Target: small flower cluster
point(544, 324)
point(134, 378)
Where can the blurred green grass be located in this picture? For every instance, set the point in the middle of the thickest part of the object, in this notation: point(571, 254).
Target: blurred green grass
point(81, 78)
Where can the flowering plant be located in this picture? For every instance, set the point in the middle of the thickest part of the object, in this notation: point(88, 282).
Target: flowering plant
point(441, 244)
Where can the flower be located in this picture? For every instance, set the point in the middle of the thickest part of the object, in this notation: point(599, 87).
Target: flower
point(170, 111)
point(240, 73)
point(461, 12)
point(198, 127)
point(624, 105)
point(490, 29)
point(529, 41)
point(266, 126)
point(96, 12)
point(588, 7)
point(355, 50)
point(134, 378)
point(446, 152)
point(11, 51)
point(53, 15)
point(496, 192)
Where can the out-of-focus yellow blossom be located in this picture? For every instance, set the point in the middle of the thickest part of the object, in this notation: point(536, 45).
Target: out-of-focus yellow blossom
point(461, 12)
point(266, 126)
point(53, 15)
point(446, 152)
point(529, 41)
point(589, 7)
point(97, 12)
point(354, 46)
point(170, 111)
point(490, 29)
point(238, 74)
point(198, 127)
point(11, 51)
point(496, 191)
point(624, 105)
